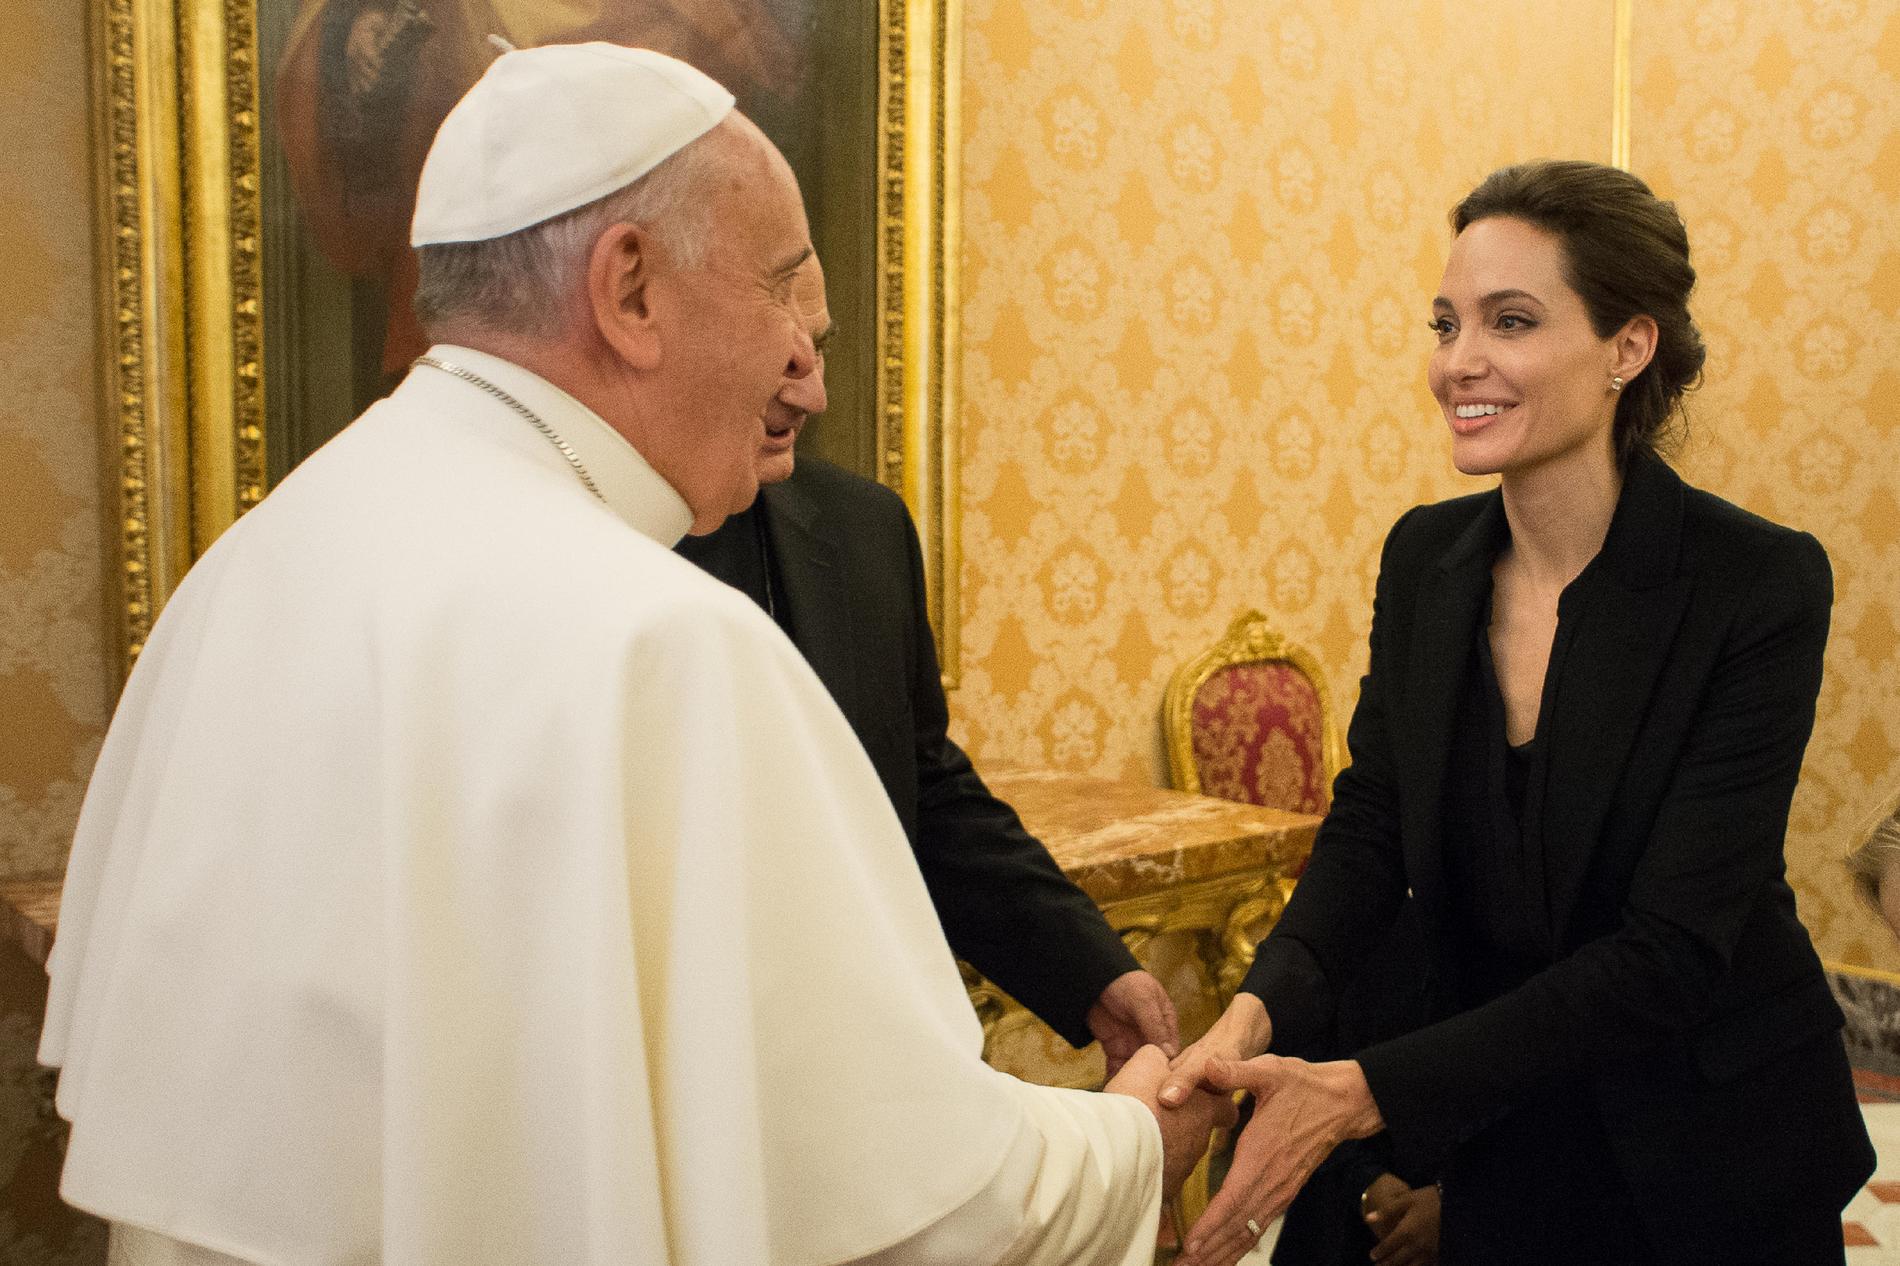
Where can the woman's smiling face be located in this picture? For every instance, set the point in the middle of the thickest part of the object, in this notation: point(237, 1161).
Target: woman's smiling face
point(1521, 375)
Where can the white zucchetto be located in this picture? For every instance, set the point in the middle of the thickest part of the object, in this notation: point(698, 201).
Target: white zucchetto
point(549, 129)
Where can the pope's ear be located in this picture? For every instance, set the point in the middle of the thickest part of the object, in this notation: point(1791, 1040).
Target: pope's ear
point(619, 293)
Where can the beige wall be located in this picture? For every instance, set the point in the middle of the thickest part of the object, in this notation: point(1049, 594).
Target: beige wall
point(1200, 237)
point(55, 682)
point(1777, 129)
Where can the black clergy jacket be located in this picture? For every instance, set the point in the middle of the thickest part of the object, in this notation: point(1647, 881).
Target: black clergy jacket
point(850, 572)
point(1678, 985)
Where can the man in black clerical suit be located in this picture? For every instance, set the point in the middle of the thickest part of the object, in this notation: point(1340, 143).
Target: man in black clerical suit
point(834, 558)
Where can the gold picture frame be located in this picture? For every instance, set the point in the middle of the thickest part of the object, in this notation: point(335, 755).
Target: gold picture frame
point(177, 85)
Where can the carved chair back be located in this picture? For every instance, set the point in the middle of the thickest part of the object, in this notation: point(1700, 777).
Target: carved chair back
point(1250, 719)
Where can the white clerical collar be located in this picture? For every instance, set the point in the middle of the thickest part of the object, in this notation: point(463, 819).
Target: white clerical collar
point(623, 479)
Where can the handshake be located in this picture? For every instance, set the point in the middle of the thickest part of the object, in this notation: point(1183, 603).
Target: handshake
point(1186, 1127)
point(1302, 1111)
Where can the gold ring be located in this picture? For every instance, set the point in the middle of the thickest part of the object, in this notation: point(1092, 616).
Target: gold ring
point(1255, 1228)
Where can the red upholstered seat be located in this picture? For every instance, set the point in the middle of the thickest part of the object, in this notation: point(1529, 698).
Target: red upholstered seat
point(1259, 734)
point(1249, 719)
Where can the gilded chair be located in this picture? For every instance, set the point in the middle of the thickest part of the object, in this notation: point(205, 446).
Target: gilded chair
point(1250, 719)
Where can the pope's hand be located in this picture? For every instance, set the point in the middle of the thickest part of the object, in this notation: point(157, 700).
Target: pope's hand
point(1301, 1112)
point(1184, 1130)
point(1134, 1011)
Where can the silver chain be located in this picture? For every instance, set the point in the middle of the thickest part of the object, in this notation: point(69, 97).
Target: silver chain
point(534, 419)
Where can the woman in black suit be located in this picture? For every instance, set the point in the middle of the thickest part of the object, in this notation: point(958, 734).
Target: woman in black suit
point(1576, 744)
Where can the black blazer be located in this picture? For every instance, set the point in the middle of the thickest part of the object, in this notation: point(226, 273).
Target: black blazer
point(853, 579)
point(1680, 698)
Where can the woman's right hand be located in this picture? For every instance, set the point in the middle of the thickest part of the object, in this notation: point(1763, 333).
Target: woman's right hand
point(1242, 1032)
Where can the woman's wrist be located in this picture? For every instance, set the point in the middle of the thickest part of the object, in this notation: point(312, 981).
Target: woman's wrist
point(1363, 1118)
point(1246, 1028)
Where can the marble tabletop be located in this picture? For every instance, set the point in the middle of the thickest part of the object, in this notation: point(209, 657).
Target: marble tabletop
point(1122, 839)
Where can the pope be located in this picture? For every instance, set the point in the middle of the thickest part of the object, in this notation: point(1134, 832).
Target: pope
point(468, 878)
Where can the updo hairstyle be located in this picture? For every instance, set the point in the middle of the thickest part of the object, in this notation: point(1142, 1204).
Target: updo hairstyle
point(1626, 254)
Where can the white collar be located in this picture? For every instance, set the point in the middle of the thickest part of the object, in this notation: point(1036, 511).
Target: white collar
point(629, 486)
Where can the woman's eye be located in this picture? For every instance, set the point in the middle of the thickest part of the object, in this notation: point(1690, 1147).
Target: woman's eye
point(1512, 321)
point(1442, 327)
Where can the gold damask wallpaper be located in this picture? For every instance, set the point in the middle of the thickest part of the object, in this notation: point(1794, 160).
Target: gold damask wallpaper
point(1777, 130)
point(1199, 239)
point(55, 682)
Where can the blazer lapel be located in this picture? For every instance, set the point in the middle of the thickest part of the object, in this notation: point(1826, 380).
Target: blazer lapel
point(1451, 603)
point(809, 561)
point(1624, 609)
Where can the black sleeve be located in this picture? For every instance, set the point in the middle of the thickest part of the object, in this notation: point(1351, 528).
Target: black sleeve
point(1005, 904)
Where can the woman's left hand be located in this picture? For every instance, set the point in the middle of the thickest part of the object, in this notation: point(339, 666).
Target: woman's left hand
point(1301, 1112)
point(1404, 1221)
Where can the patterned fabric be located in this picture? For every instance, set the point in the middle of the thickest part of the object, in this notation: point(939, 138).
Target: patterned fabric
point(1257, 737)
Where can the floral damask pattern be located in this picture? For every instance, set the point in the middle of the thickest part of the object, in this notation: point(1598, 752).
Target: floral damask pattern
point(54, 674)
point(1257, 732)
point(1776, 128)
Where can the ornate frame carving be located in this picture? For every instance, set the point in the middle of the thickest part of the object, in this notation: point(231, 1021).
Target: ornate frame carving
point(176, 87)
point(140, 234)
point(1248, 640)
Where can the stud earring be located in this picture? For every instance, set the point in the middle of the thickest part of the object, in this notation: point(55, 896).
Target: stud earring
point(1616, 383)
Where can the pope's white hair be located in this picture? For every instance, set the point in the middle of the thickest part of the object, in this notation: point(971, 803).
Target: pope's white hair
point(524, 283)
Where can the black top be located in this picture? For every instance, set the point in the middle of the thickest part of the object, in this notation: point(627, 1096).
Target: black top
point(1548, 1156)
point(1496, 878)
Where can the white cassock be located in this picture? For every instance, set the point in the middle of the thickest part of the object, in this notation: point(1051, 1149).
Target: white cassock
point(468, 879)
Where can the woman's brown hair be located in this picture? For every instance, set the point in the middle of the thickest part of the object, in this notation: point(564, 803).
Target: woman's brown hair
point(1626, 254)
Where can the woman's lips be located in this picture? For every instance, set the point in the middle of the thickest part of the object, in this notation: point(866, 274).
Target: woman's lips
point(1466, 426)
